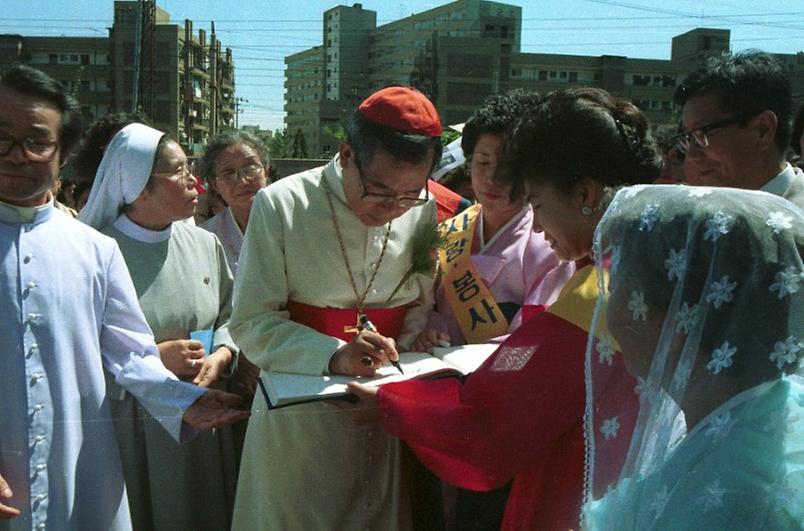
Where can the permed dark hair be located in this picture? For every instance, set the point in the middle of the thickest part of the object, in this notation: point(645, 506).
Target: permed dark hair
point(100, 132)
point(222, 141)
point(745, 84)
point(366, 137)
point(579, 133)
point(33, 82)
point(496, 116)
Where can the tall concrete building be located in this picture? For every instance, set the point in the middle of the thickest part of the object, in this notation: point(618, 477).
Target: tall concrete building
point(460, 53)
point(456, 54)
point(80, 64)
point(649, 83)
point(183, 81)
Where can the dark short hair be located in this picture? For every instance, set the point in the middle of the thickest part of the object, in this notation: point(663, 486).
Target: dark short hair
point(579, 133)
point(222, 141)
point(100, 133)
point(366, 137)
point(798, 130)
point(496, 116)
point(745, 84)
point(33, 82)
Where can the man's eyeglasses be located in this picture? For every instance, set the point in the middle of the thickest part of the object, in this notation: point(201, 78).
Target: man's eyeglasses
point(183, 172)
point(403, 201)
point(243, 175)
point(35, 149)
point(700, 135)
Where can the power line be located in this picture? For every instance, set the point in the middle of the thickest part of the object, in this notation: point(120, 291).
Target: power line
point(317, 21)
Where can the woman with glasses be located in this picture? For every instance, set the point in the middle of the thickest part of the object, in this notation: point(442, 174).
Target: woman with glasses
point(235, 165)
point(142, 190)
point(520, 415)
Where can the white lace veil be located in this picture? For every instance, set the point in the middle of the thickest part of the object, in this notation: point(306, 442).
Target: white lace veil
point(703, 293)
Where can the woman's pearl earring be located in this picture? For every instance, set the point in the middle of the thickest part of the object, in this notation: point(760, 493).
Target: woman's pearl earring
point(586, 211)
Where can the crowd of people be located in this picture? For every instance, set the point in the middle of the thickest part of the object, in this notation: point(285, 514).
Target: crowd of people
point(644, 288)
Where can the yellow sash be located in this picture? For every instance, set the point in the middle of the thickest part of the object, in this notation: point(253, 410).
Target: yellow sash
point(474, 307)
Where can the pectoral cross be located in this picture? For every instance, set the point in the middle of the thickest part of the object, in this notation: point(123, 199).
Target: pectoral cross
point(363, 323)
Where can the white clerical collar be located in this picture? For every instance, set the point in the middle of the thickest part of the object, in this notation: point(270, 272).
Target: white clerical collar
point(779, 184)
point(132, 230)
point(22, 214)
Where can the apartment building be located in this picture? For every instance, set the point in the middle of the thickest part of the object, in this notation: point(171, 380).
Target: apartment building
point(463, 51)
point(182, 80)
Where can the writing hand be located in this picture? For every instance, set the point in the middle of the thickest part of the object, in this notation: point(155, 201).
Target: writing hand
point(363, 355)
point(6, 512)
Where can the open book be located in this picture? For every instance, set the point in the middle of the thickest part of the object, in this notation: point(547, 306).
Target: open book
point(284, 389)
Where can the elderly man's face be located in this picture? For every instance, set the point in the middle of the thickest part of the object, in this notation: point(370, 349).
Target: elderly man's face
point(725, 161)
point(24, 182)
point(384, 175)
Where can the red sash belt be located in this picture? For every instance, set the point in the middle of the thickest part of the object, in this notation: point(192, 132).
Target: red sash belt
point(332, 321)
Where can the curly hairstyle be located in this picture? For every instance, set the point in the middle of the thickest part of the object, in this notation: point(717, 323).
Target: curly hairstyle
point(579, 133)
point(206, 165)
point(497, 116)
point(100, 132)
point(745, 84)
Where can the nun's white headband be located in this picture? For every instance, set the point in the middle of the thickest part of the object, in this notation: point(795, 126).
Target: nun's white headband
point(122, 174)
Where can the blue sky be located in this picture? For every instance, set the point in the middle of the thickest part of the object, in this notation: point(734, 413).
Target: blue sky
point(261, 33)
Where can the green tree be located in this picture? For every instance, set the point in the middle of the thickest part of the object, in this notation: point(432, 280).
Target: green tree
point(448, 136)
point(299, 145)
point(279, 146)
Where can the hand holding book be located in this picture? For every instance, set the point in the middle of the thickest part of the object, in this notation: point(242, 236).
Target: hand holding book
point(283, 389)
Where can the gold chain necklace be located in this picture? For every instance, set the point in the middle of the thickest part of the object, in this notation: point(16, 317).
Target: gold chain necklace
point(361, 299)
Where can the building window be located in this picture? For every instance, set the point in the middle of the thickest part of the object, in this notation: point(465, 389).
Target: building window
point(53, 59)
point(516, 72)
point(84, 59)
point(562, 75)
point(553, 74)
point(573, 77)
point(85, 85)
point(641, 81)
point(542, 75)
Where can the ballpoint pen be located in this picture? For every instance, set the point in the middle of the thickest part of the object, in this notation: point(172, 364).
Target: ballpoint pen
point(365, 324)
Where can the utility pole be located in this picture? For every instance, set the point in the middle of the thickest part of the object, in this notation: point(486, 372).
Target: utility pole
point(135, 84)
point(237, 102)
point(214, 85)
